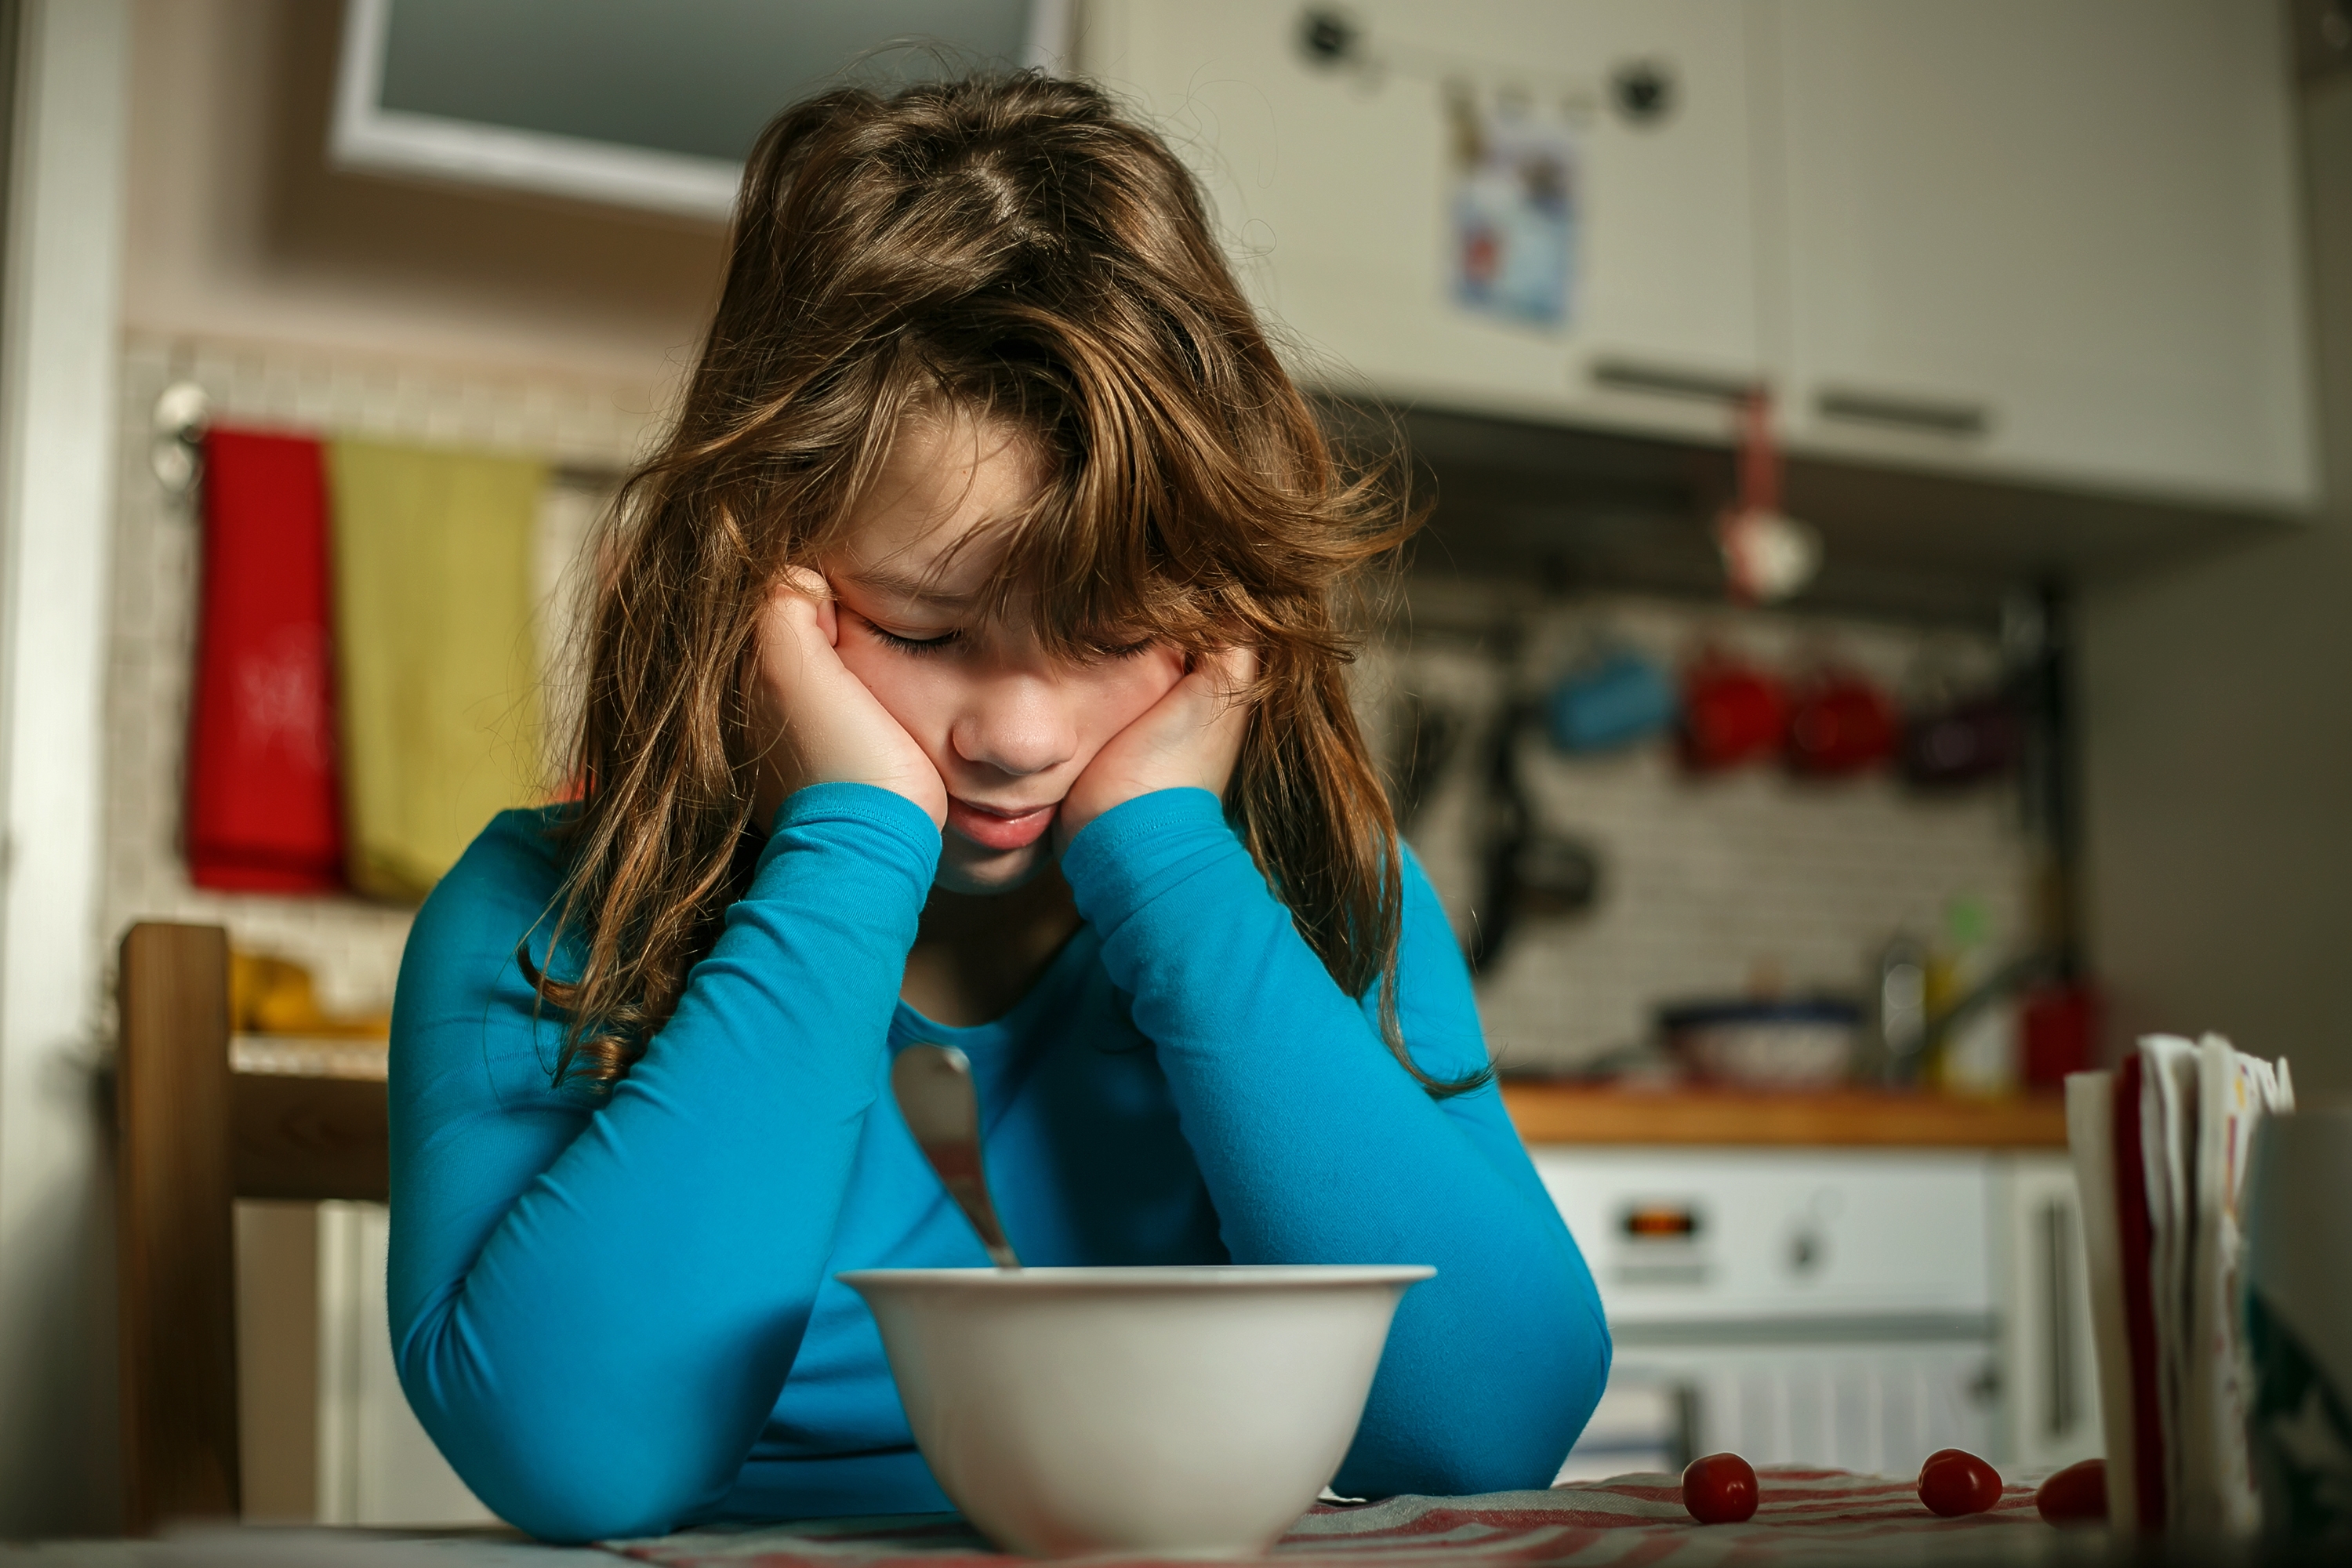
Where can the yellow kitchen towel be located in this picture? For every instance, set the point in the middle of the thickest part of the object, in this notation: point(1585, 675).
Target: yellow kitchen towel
point(436, 669)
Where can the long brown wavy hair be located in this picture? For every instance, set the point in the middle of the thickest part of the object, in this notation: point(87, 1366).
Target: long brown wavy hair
point(1011, 246)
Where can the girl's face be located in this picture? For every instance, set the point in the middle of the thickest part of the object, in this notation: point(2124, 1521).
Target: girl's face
point(1009, 727)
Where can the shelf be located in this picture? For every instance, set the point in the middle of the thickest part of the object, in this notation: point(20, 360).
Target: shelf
point(1576, 1113)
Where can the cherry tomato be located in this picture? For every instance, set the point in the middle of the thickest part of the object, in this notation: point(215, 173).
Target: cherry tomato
point(1954, 1481)
point(2076, 1495)
point(1719, 1489)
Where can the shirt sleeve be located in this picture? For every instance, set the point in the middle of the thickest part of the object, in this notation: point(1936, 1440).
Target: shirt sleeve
point(1318, 1147)
point(596, 1299)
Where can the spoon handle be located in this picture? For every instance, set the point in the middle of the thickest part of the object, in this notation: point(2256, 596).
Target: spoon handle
point(933, 1087)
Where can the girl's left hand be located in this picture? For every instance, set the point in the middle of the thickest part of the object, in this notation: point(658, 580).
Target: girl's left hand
point(1190, 738)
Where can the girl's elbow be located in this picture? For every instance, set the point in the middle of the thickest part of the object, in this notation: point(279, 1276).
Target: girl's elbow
point(571, 1491)
point(1585, 1374)
point(593, 1503)
point(1536, 1408)
point(563, 1478)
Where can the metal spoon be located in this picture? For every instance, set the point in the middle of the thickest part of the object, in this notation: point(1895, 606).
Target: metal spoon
point(933, 1084)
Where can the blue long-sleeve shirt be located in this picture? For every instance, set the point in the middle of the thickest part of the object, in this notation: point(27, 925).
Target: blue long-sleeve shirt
point(617, 1314)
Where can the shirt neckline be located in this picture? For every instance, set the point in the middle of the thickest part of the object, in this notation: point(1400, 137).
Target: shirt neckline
point(909, 1026)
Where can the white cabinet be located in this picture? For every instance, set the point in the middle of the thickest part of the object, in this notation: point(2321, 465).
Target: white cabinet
point(1845, 1307)
point(2049, 238)
point(2053, 241)
point(1334, 188)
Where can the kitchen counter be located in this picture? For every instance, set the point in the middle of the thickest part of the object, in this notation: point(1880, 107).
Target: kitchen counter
point(1853, 1118)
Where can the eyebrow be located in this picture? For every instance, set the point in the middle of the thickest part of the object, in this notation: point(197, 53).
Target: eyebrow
point(896, 585)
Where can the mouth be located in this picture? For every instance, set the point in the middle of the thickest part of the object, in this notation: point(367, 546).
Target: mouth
point(999, 827)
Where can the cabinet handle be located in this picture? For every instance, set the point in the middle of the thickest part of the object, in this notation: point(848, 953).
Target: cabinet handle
point(1682, 1443)
point(2058, 1273)
point(1667, 381)
point(1931, 415)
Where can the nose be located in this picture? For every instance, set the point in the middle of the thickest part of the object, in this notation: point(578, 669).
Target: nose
point(1016, 723)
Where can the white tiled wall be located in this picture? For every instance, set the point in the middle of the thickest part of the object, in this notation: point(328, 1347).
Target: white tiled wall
point(1707, 883)
point(353, 945)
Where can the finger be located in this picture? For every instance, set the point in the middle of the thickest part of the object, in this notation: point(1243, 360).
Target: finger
point(807, 582)
point(801, 601)
point(1230, 672)
point(810, 585)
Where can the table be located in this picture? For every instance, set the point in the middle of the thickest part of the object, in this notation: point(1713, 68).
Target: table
point(1807, 1517)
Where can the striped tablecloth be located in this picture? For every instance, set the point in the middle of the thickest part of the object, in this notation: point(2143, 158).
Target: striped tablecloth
point(1806, 1516)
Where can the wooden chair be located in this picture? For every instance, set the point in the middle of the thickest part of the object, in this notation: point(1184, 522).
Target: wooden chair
point(193, 1135)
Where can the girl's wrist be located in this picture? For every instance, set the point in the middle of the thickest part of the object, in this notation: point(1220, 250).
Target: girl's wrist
point(1147, 817)
point(860, 797)
point(1141, 850)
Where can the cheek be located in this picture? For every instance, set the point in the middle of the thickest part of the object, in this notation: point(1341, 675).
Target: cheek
point(919, 694)
point(1120, 691)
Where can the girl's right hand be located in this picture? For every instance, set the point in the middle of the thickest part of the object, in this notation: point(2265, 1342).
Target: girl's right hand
point(814, 721)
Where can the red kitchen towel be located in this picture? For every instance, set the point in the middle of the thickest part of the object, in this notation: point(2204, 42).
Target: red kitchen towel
point(1802, 1516)
point(264, 805)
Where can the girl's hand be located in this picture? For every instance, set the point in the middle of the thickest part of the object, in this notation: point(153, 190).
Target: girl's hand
point(1189, 739)
point(815, 721)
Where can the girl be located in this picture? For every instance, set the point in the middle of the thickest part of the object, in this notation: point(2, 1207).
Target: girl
point(964, 667)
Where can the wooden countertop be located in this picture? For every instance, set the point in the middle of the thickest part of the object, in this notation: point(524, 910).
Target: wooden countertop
point(1853, 1118)
point(1545, 1112)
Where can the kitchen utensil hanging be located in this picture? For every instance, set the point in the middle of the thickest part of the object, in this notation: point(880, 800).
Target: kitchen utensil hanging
point(1611, 697)
point(1840, 723)
point(1733, 712)
point(1427, 735)
point(1768, 555)
point(1528, 868)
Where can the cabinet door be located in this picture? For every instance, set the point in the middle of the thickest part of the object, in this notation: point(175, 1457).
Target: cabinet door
point(1334, 189)
point(2052, 238)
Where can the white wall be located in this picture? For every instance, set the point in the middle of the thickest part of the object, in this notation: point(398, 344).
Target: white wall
point(238, 230)
point(2218, 742)
point(57, 392)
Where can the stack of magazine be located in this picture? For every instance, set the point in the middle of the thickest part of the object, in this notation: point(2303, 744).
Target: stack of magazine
point(2159, 1150)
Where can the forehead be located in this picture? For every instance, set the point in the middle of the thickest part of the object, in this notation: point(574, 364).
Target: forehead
point(926, 527)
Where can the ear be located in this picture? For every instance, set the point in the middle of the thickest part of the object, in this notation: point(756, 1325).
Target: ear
point(828, 619)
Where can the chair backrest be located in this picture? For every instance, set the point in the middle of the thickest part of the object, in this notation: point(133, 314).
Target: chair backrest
point(192, 1136)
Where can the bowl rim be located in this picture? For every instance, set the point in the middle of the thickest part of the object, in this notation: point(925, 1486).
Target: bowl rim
point(1141, 1278)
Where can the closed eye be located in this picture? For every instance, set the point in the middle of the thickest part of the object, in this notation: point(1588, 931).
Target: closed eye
point(917, 646)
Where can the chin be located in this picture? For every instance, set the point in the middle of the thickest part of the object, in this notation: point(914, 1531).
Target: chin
point(967, 867)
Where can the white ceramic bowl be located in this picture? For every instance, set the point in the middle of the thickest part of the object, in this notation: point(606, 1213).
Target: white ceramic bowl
point(1167, 1410)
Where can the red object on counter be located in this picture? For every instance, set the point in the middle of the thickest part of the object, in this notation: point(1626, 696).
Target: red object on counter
point(265, 804)
point(1732, 713)
point(2076, 1495)
point(1842, 723)
point(2058, 1028)
point(1719, 1489)
point(1955, 1482)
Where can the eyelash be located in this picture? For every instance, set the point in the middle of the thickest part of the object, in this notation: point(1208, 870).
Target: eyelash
point(917, 646)
point(920, 646)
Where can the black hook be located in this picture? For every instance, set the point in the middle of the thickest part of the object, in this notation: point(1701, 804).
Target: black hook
point(1328, 37)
